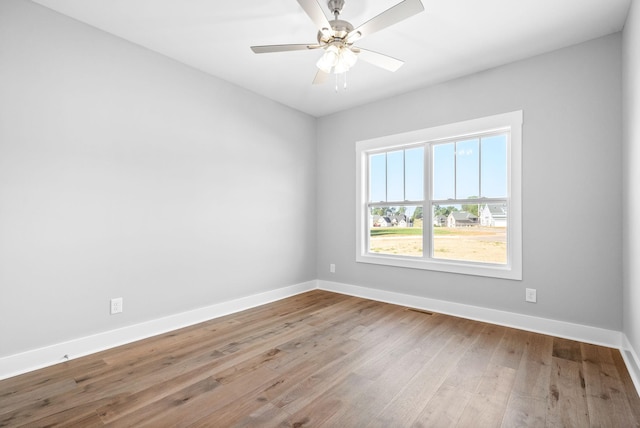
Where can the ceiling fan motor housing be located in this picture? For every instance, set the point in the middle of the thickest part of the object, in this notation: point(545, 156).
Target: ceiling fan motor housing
point(339, 32)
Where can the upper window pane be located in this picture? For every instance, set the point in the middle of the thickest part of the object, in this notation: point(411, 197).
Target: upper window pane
point(468, 169)
point(378, 177)
point(414, 174)
point(444, 171)
point(494, 166)
point(395, 176)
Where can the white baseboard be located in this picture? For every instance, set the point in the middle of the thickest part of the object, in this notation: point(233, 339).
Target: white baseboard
point(43, 357)
point(582, 333)
point(632, 361)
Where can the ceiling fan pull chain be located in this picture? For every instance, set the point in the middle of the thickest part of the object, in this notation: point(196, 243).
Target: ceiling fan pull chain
point(336, 82)
point(345, 80)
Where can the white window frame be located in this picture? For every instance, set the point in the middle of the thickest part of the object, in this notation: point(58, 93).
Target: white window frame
point(511, 122)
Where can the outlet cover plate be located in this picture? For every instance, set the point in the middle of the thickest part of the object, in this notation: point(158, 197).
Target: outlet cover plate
point(116, 305)
point(530, 295)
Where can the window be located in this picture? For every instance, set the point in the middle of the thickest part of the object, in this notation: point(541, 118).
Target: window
point(444, 198)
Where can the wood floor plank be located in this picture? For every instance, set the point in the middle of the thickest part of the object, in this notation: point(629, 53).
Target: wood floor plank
point(524, 411)
point(567, 401)
point(252, 401)
point(265, 416)
point(325, 359)
point(604, 389)
point(83, 416)
point(488, 404)
point(387, 381)
point(510, 349)
point(172, 409)
point(534, 370)
point(32, 396)
point(123, 404)
point(630, 392)
point(567, 349)
point(381, 333)
point(444, 408)
point(527, 406)
point(407, 405)
point(38, 379)
point(318, 411)
point(471, 367)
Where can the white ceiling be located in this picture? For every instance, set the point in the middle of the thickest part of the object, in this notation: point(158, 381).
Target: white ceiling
point(451, 38)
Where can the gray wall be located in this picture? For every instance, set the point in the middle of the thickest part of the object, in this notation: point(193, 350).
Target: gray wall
point(631, 81)
point(126, 174)
point(572, 142)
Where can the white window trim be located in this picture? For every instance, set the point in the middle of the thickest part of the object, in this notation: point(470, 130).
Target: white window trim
point(512, 121)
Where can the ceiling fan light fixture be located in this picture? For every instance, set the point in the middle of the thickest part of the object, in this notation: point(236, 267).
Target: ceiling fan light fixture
point(337, 59)
point(329, 59)
point(323, 65)
point(340, 68)
point(348, 57)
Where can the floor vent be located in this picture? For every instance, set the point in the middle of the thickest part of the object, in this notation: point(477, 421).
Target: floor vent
point(421, 311)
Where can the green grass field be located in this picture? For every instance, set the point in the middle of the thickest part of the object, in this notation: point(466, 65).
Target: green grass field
point(400, 231)
point(383, 231)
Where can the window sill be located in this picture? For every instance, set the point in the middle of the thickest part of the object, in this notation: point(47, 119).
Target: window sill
point(450, 266)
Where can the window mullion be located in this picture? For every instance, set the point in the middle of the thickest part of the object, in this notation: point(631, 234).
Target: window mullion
point(386, 177)
point(404, 175)
point(394, 204)
point(455, 170)
point(479, 167)
point(427, 206)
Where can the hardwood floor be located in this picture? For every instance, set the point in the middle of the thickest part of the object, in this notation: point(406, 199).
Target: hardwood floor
point(324, 359)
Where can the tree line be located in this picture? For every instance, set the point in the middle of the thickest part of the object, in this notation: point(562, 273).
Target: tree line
point(418, 214)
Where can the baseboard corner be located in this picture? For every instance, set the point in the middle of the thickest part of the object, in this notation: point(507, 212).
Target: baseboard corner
point(631, 360)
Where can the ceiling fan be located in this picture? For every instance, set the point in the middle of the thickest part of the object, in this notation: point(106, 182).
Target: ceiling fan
point(337, 37)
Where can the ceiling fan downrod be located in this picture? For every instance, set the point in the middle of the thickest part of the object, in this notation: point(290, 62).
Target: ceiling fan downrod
point(335, 6)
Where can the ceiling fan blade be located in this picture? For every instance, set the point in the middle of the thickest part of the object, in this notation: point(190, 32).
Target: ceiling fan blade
point(378, 59)
point(320, 78)
point(315, 12)
point(393, 15)
point(283, 48)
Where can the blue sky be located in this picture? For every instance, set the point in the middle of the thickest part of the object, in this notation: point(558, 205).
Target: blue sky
point(475, 167)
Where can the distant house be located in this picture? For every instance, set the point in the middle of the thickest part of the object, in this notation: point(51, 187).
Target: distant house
point(440, 220)
point(399, 220)
point(494, 215)
point(461, 219)
point(383, 221)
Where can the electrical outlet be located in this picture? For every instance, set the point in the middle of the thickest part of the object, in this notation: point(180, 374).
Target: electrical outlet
point(116, 305)
point(530, 295)
point(332, 268)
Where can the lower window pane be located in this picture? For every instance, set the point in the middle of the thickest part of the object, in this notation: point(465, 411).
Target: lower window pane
point(396, 230)
point(474, 232)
